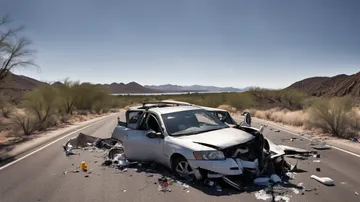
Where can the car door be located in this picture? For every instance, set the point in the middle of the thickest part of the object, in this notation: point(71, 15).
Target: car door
point(139, 147)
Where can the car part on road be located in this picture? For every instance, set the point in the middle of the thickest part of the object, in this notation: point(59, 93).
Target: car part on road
point(233, 184)
point(324, 180)
point(321, 147)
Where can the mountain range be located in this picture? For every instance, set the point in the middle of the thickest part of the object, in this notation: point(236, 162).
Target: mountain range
point(339, 85)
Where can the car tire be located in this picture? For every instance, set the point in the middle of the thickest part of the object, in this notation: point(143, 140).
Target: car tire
point(182, 169)
point(115, 151)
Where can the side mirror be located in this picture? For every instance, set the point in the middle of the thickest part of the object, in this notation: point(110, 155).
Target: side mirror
point(152, 134)
point(247, 120)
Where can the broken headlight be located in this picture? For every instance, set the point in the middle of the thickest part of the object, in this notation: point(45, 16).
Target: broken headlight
point(209, 155)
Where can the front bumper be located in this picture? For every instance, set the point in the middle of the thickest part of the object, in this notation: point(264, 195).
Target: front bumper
point(220, 168)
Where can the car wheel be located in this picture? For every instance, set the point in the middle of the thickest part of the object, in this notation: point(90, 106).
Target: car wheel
point(115, 151)
point(182, 168)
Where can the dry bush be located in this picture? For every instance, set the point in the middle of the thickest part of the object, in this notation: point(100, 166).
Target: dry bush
point(332, 115)
point(295, 118)
point(41, 103)
point(6, 109)
point(26, 122)
point(114, 110)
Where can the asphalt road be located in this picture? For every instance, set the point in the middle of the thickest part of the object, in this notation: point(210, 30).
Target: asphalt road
point(39, 177)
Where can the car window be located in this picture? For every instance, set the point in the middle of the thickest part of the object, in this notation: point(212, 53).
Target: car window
point(134, 117)
point(204, 118)
point(153, 124)
point(191, 122)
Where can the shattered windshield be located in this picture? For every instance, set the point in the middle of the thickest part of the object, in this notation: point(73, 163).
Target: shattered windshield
point(191, 122)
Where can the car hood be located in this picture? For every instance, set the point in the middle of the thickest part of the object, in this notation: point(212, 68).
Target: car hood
point(221, 139)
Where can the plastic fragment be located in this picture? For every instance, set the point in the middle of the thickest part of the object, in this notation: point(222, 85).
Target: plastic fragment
point(296, 191)
point(262, 195)
point(282, 198)
point(324, 180)
point(316, 161)
point(357, 194)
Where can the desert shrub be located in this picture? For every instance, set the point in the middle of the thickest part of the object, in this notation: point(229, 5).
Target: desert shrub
point(64, 118)
point(331, 115)
point(27, 123)
point(6, 109)
point(41, 103)
point(67, 96)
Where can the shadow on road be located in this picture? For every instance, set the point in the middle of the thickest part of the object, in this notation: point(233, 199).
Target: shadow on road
point(226, 189)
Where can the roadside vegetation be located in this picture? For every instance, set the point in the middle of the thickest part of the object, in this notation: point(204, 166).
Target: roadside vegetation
point(51, 106)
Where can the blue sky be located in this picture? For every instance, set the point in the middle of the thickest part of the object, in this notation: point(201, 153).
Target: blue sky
point(267, 43)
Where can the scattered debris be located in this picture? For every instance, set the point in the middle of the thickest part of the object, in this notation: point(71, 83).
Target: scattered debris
point(343, 182)
point(83, 166)
point(324, 180)
point(291, 175)
point(357, 194)
point(187, 191)
point(318, 169)
point(321, 147)
point(107, 162)
point(316, 155)
point(124, 190)
point(297, 157)
point(354, 139)
point(277, 131)
point(316, 161)
point(293, 150)
point(282, 198)
point(262, 195)
point(296, 191)
point(164, 184)
point(86, 176)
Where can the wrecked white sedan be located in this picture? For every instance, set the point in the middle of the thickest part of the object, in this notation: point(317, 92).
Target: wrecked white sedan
point(189, 140)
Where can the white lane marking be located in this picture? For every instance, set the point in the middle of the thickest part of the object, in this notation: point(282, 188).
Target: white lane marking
point(337, 148)
point(43, 147)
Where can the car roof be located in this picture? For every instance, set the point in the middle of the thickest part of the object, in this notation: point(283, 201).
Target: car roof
point(166, 110)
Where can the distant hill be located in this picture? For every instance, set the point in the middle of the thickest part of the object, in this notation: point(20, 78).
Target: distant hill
point(339, 85)
point(15, 86)
point(131, 87)
point(193, 88)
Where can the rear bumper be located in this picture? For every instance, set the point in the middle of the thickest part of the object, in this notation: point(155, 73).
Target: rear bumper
point(220, 168)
